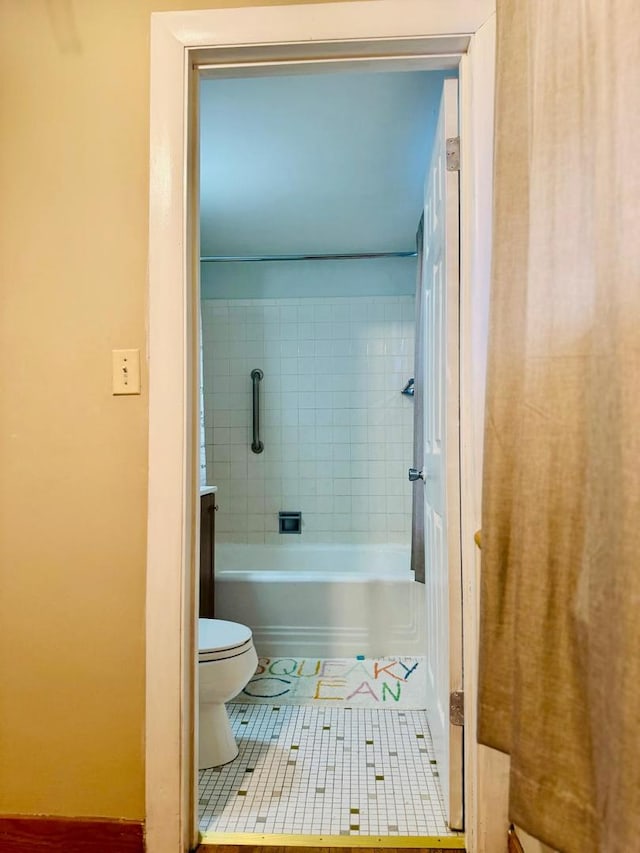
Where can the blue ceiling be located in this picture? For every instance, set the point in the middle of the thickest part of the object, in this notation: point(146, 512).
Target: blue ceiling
point(316, 163)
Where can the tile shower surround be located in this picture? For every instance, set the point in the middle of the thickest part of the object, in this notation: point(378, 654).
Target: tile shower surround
point(337, 431)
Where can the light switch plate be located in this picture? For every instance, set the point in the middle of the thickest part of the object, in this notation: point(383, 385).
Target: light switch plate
point(126, 371)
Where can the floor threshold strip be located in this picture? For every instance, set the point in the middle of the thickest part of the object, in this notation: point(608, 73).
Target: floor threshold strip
point(423, 842)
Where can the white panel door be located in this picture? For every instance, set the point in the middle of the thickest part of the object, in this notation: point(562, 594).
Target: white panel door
point(441, 468)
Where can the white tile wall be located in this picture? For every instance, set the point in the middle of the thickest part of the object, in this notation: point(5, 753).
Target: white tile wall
point(337, 431)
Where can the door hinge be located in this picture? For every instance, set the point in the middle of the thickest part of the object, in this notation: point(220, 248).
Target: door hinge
point(453, 154)
point(456, 708)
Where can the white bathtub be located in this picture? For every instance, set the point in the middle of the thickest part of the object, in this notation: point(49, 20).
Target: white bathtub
point(322, 600)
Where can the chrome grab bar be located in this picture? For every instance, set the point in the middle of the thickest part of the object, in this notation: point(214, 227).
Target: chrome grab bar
point(256, 377)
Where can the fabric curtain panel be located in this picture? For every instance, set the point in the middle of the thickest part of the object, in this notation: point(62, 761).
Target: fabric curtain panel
point(560, 598)
point(417, 511)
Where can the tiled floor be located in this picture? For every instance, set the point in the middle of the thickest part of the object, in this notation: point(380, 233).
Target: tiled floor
point(309, 770)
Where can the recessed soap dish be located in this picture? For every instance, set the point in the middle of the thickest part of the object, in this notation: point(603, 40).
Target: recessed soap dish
point(289, 522)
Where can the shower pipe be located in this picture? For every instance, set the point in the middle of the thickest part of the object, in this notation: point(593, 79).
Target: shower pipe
point(409, 388)
point(256, 377)
point(355, 256)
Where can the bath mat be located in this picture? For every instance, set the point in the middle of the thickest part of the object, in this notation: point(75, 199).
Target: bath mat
point(382, 683)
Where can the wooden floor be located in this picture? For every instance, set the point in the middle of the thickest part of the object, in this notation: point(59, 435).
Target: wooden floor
point(514, 842)
point(228, 848)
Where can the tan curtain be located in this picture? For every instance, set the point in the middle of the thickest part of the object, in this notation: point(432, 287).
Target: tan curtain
point(560, 626)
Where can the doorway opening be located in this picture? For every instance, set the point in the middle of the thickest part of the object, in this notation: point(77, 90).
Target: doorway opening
point(184, 46)
point(327, 252)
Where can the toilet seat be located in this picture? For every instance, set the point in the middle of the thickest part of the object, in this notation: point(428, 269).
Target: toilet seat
point(219, 639)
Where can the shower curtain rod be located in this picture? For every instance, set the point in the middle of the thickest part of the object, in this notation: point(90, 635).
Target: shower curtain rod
point(354, 256)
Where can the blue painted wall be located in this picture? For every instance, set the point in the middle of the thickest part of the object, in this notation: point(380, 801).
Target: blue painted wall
point(315, 164)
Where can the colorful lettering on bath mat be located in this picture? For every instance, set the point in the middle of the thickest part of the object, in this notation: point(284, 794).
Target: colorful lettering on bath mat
point(376, 683)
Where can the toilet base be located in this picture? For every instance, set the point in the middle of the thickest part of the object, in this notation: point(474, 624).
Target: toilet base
point(217, 744)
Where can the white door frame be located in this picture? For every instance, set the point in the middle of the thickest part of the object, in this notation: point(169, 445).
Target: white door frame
point(453, 33)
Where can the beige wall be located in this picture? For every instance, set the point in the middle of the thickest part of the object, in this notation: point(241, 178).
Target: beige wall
point(532, 845)
point(74, 108)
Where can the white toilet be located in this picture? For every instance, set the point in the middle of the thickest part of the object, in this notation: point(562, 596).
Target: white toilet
point(226, 662)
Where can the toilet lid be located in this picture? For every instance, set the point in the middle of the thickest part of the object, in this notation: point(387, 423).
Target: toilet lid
point(217, 635)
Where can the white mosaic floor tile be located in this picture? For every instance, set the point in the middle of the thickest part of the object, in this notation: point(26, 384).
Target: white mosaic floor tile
point(318, 770)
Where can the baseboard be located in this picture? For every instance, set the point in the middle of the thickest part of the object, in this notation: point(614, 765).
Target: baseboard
point(31, 834)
